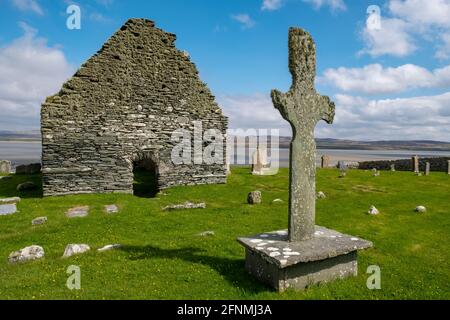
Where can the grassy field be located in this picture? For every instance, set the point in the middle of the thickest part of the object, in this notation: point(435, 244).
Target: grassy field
point(164, 257)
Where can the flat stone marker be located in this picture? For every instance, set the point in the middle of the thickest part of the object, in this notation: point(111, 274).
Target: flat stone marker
point(10, 200)
point(27, 254)
point(39, 221)
point(305, 254)
point(78, 212)
point(75, 249)
point(111, 209)
point(185, 206)
point(7, 209)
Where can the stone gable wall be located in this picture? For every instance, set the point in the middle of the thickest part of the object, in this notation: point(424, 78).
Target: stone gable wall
point(122, 105)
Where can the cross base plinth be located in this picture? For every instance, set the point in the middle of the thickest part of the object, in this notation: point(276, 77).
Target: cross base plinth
point(297, 265)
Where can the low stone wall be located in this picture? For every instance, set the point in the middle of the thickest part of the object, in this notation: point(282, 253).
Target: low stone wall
point(437, 164)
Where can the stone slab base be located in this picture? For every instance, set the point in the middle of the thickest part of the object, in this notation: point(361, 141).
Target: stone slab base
point(302, 275)
point(283, 265)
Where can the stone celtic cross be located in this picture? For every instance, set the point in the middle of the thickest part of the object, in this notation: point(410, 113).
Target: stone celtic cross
point(303, 108)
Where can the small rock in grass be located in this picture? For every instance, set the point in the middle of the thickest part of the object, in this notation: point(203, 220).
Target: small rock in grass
point(27, 186)
point(39, 221)
point(421, 209)
point(277, 201)
point(254, 197)
point(321, 195)
point(109, 247)
point(207, 234)
point(186, 205)
point(111, 209)
point(373, 211)
point(27, 254)
point(74, 249)
point(78, 212)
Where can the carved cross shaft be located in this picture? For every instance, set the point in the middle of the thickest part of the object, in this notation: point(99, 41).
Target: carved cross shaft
point(303, 108)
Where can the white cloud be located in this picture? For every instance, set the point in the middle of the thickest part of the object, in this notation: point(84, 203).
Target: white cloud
point(271, 5)
point(416, 118)
point(335, 5)
point(28, 5)
point(30, 71)
point(405, 23)
point(374, 79)
point(391, 38)
point(357, 118)
point(244, 19)
point(422, 12)
point(254, 111)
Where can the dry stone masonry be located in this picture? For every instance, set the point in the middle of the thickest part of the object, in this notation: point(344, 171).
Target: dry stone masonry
point(121, 108)
point(438, 164)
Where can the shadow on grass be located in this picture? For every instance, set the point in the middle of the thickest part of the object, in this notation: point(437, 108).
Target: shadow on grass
point(145, 183)
point(232, 270)
point(8, 186)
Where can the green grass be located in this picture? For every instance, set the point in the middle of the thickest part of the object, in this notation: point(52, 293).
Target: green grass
point(164, 258)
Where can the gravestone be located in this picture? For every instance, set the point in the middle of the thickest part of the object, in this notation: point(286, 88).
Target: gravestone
point(448, 166)
point(306, 254)
point(415, 164)
point(427, 169)
point(260, 162)
point(393, 167)
point(325, 161)
point(5, 167)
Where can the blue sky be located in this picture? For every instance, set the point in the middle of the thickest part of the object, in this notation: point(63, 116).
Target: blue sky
point(389, 83)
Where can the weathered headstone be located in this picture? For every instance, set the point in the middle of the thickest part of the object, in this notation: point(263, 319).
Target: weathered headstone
point(393, 167)
point(306, 254)
point(259, 162)
point(342, 166)
point(325, 162)
point(415, 164)
point(448, 166)
point(5, 167)
point(254, 197)
point(427, 168)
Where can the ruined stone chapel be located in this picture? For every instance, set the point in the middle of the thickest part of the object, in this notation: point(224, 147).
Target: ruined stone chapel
point(120, 109)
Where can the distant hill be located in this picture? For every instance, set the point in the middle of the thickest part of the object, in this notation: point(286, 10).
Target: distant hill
point(33, 135)
point(419, 145)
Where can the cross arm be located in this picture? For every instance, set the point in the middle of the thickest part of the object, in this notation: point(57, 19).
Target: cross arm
point(327, 109)
point(280, 101)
